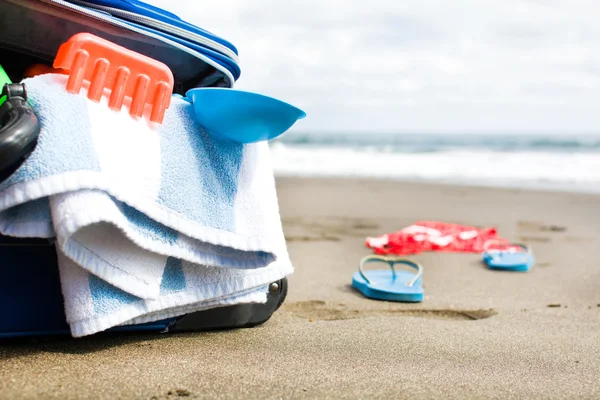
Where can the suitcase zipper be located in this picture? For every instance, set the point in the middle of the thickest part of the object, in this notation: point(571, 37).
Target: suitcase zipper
point(111, 20)
point(163, 26)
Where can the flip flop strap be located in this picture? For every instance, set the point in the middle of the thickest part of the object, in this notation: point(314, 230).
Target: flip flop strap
point(506, 243)
point(391, 261)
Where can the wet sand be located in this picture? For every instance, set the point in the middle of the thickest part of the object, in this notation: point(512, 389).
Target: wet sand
point(477, 334)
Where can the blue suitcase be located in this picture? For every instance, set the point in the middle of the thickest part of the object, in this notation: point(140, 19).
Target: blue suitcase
point(31, 302)
point(31, 31)
point(34, 30)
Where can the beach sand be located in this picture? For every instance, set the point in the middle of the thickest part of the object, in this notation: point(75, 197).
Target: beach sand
point(477, 334)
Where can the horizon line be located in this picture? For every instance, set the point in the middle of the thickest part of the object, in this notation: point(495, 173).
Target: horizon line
point(427, 132)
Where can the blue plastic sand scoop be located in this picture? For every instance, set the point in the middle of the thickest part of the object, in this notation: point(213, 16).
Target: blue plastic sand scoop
point(240, 116)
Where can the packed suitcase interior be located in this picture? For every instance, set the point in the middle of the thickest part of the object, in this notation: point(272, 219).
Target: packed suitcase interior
point(136, 187)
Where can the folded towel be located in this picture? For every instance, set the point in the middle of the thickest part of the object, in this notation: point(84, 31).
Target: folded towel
point(124, 200)
point(93, 305)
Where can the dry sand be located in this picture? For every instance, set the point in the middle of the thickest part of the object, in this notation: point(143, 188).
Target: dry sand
point(478, 334)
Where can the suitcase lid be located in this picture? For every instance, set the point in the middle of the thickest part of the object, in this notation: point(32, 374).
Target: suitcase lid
point(37, 28)
point(149, 15)
point(170, 26)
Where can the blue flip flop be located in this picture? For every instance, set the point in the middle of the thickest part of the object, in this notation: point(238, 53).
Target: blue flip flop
point(389, 284)
point(509, 260)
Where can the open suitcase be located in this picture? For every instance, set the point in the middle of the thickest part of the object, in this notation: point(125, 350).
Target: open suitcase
point(31, 31)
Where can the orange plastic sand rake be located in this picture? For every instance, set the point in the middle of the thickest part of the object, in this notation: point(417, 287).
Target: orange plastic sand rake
point(106, 65)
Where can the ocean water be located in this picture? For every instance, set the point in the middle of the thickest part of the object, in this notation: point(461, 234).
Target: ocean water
point(554, 162)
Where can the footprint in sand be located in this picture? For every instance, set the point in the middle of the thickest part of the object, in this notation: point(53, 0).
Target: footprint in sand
point(534, 239)
point(172, 394)
point(291, 239)
point(329, 228)
point(532, 227)
point(327, 311)
point(540, 227)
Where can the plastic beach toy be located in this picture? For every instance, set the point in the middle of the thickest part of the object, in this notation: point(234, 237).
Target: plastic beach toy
point(389, 284)
point(241, 116)
point(106, 65)
point(4, 79)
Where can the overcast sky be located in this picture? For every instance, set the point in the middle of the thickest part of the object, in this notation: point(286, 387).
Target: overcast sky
point(417, 65)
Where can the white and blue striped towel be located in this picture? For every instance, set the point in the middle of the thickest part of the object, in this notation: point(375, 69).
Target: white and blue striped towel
point(149, 222)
